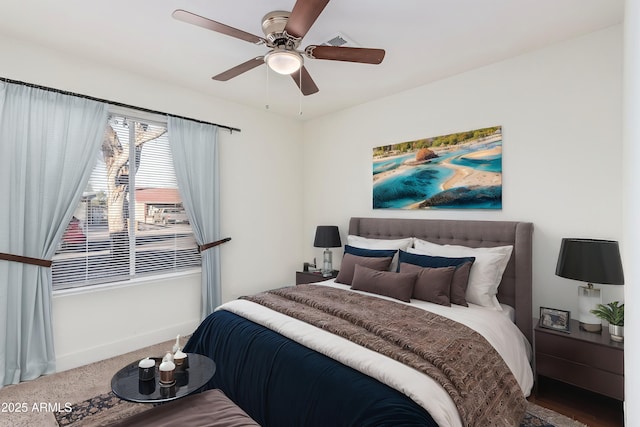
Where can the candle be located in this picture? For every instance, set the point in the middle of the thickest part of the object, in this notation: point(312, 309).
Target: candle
point(147, 363)
point(166, 369)
point(146, 369)
point(180, 359)
point(167, 366)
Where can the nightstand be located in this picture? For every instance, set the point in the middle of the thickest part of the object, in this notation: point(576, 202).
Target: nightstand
point(584, 359)
point(313, 277)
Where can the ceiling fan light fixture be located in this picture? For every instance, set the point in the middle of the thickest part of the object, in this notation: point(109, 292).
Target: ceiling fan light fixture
point(284, 61)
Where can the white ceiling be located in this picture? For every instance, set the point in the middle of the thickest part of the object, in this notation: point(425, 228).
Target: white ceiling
point(425, 40)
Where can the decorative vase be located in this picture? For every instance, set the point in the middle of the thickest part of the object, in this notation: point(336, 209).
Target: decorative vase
point(616, 332)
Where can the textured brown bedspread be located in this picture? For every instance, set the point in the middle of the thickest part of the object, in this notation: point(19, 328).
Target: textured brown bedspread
point(458, 358)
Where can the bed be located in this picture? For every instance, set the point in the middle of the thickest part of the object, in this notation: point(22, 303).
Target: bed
point(284, 371)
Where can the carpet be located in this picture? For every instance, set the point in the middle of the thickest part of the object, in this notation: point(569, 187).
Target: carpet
point(101, 410)
point(104, 409)
point(69, 387)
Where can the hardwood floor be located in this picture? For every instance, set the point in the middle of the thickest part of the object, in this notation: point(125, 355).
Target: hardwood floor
point(589, 408)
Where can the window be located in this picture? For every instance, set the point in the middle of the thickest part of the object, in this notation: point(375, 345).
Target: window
point(130, 220)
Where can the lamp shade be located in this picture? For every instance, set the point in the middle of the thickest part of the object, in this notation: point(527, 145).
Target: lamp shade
point(327, 236)
point(590, 260)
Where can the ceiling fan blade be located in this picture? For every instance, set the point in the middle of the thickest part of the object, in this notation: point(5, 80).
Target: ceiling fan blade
point(307, 85)
point(200, 21)
point(349, 54)
point(303, 15)
point(239, 69)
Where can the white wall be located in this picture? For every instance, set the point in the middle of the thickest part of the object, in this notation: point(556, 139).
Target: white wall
point(631, 186)
point(260, 196)
point(92, 325)
point(560, 108)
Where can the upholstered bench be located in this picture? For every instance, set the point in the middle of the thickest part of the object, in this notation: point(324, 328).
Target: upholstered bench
point(210, 408)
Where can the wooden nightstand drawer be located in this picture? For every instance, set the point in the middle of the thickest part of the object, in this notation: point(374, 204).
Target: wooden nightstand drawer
point(581, 352)
point(583, 376)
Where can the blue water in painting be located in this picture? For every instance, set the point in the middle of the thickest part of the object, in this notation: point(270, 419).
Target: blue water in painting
point(415, 184)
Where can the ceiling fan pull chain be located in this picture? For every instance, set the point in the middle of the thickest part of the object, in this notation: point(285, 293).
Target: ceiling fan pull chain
point(300, 92)
point(266, 106)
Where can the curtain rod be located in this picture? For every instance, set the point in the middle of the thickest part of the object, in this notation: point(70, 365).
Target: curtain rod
point(118, 104)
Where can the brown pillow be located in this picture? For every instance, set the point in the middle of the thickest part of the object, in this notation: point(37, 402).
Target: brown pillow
point(459, 284)
point(349, 262)
point(387, 283)
point(432, 284)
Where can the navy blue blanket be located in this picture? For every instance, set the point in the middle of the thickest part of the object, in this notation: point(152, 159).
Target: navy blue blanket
point(281, 383)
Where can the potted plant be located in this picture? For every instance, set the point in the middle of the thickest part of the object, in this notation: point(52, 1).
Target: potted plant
point(614, 314)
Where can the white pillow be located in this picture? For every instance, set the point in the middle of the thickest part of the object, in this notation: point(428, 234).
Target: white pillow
point(367, 243)
point(486, 271)
point(425, 244)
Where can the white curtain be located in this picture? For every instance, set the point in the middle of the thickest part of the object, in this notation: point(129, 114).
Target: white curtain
point(194, 148)
point(48, 143)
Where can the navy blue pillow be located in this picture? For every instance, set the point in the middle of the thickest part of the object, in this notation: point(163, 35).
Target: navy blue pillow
point(431, 261)
point(371, 253)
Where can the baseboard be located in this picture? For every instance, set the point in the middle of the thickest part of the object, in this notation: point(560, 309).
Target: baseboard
point(114, 348)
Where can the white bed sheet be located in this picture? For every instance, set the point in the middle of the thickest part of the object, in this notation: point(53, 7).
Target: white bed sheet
point(509, 311)
point(497, 328)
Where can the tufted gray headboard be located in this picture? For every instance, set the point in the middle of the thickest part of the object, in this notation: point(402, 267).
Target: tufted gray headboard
point(515, 288)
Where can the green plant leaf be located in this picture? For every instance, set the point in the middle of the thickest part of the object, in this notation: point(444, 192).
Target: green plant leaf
point(612, 312)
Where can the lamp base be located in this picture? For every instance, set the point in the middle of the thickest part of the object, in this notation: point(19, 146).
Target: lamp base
point(327, 265)
point(588, 299)
point(591, 327)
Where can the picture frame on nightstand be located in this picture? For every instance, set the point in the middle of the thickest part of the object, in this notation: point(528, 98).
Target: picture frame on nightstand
point(553, 318)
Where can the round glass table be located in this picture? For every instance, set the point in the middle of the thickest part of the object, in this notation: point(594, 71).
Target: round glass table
point(127, 385)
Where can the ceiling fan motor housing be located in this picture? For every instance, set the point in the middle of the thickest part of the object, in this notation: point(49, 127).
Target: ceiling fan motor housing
point(273, 25)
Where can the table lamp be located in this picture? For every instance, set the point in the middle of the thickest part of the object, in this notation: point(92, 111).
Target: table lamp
point(327, 236)
point(591, 261)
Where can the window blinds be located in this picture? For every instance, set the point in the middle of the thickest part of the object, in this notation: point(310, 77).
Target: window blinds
point(130, 220)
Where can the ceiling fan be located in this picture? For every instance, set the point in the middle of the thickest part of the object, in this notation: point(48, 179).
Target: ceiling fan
point(283, 33)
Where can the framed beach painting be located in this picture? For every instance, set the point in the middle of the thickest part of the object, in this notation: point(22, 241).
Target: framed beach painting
point(458, 171)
